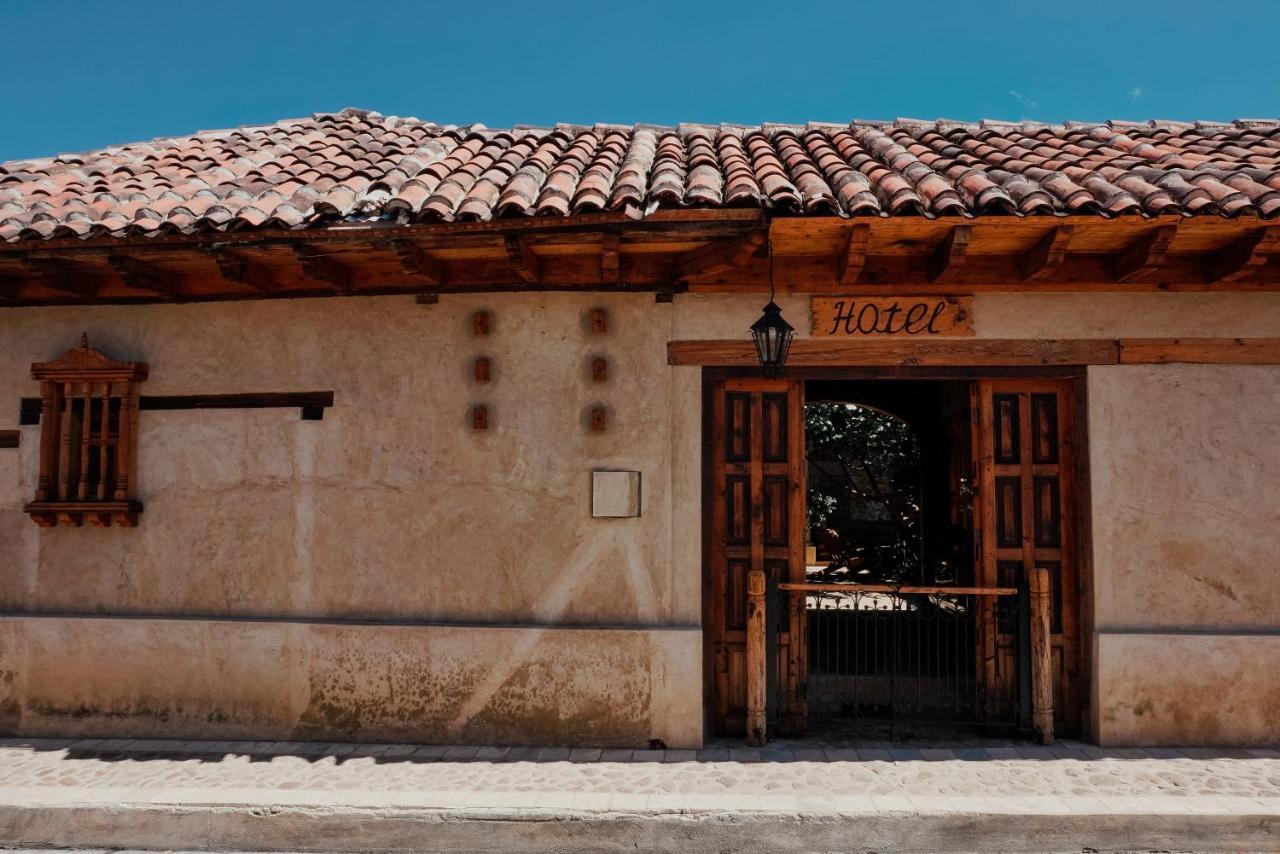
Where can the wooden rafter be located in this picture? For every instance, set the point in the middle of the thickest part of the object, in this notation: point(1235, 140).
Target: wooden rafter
point(610, 257)
point(321, 266)
point(853, 255)
point(720, 256)
point(416, 261)
point(55, 273)
point(525, 262)
point(949, 256)
point(144, 276)
point(1045, 258)
point(1144, 255)
point(1244, 255)
point(236, 267)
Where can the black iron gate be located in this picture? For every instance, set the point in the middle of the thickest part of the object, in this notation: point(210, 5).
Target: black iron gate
point(896, 662)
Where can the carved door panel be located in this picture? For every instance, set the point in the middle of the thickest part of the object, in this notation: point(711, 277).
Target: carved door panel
point(757, 521)
point(1025, 450)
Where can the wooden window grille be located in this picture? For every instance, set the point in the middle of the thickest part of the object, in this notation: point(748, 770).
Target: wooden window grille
point(88, 437)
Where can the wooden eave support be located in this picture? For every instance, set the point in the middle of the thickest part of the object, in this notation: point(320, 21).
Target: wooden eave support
point(949, 257)
point(719, 257)
point(610, 258)
point(144, 276)
point(525, 262)
point(416, 261)
point(55, 273)
point(1144, 255)
point(235, 267)
point(1243, 256)
point(319, 265)
point(1047, 255)
point(853, 257)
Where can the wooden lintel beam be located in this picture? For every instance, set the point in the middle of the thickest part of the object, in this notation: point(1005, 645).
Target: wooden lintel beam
point(235, 267)
point(1045, 258)
point(416, 261)
point(950, 254)
point(321, 266)
point(1244, 255)
point(853, 255)
point(1144, 255)
point(830, 352)
point(1201, 351)
point(610, 257)
point(144, 276)
point(720, 256)
point(525, 262)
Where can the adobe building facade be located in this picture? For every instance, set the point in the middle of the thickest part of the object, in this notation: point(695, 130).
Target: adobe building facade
point(389, 572)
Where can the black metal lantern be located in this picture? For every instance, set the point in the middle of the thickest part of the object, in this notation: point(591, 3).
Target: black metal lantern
point(773, 337)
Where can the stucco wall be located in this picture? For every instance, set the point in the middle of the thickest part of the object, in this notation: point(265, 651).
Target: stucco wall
point(389, 509)
point(1185, 469)
point(305, 577)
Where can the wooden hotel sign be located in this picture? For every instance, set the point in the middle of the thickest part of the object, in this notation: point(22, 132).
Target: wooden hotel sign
point(896, 316)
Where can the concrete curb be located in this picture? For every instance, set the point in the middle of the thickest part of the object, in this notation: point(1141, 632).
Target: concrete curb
point(331, 828)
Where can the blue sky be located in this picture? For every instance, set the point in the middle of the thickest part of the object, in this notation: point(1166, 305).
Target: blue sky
point(87, 74)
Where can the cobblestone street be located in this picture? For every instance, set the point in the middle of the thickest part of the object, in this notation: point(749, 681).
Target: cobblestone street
point(794, 780)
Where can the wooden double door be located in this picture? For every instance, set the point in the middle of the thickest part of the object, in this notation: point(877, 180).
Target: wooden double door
point(1022, 459)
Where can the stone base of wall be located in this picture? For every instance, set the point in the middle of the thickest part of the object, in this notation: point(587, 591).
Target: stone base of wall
point(245, 679)
point(1187, 689)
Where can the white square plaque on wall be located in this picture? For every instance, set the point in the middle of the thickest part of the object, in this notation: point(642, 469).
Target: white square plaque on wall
point(615, 494)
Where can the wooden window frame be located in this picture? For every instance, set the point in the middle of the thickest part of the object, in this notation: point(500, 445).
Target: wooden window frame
point(70, 490)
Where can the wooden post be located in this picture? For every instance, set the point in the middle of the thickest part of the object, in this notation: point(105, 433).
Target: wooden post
point(757, 668)
point(1041, 657)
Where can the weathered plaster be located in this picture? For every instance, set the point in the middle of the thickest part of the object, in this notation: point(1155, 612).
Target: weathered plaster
point(1188, 688)
point(348, 681)
point(467, 555)
point(391, 507)
point(1185, 471)
point(1186, 496)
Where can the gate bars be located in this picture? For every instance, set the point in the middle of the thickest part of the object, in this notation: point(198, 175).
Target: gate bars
point(903, 652)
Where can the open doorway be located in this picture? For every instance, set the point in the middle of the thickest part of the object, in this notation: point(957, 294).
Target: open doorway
point(892, 645)
point(879, 549)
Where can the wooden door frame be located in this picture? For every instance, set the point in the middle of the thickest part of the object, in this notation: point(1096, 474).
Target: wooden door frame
point(1080, 502)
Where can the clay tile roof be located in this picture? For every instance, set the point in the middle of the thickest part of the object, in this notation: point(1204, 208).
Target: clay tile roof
point(360, 165)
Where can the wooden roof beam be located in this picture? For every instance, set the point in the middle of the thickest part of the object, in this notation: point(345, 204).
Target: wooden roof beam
point(1244, 255)
point(525, 262)
point(56, 274)
point(610, 257)
point(235, 267)
point(144, 276)
point(950, 255)
point(416, 261)
point(322, 267)
point(853, 256)
point(1047, 255)
point(720, 256)
point(1144, 255)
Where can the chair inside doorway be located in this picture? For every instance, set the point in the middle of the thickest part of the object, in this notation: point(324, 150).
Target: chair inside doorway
point(892, 611)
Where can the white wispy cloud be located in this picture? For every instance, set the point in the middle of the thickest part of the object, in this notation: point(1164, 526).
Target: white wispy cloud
point(1022, 99)
point(1134, 94)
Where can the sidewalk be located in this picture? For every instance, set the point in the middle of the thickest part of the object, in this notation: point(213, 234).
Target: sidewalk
point(790, 796)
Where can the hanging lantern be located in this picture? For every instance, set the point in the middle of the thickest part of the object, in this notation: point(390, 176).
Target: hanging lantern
point(772, 336)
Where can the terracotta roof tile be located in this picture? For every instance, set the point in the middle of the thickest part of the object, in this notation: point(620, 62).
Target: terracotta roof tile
point(360, 165)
